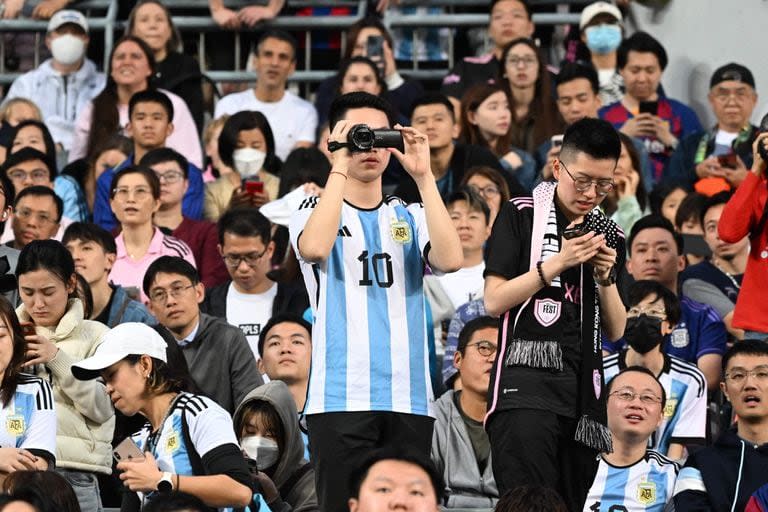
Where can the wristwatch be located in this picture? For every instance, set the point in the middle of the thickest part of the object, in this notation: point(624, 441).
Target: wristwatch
point(608, 281)
point(165, 484)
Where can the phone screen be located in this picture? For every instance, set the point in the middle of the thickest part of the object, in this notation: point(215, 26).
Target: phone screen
point(254, 187)
point(649, 107)
point(374, 50)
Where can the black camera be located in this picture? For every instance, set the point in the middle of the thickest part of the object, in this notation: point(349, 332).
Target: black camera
point(362, 138)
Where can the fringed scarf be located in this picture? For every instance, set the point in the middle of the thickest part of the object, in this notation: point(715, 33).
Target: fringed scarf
point(591, 429)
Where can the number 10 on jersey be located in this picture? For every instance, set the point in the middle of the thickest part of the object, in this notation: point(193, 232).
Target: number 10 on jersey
point(382, 269)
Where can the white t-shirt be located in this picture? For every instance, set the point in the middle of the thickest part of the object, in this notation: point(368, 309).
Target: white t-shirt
point(292, 119)
point(464, 285)
point(250, 312)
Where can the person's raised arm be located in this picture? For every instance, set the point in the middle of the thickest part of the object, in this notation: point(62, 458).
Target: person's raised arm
point(739, 215)
point(445, 254)
point(319, 234)
point(224, 17)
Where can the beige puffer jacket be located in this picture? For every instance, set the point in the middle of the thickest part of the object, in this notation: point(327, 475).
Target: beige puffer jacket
point(85, 418)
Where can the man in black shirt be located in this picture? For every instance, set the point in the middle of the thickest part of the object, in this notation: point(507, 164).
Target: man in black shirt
point(555, 294)
point(433, 114)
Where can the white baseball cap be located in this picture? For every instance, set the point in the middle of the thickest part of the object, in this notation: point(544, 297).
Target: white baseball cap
point(67, 16)
point(596, 8)
point(130, 338)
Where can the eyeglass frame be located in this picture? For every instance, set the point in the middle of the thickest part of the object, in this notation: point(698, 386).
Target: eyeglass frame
point(494, 348)
point(481, 191)
point(159, 296)
point(515, 61)
point(29, 175)
point(629, 396)
point(126, 192)
point(163, 177)
point(28, 213)
point(596, 183)
point(748, 373)
point(243, 258)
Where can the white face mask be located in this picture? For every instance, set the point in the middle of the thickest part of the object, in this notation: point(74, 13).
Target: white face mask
point(67, 49)
point(261, 449)
point(248, 161)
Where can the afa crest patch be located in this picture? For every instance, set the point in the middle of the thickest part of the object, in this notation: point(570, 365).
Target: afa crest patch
point(646, 492)
point(547, 311)
point(401, 232)
point(14, 425)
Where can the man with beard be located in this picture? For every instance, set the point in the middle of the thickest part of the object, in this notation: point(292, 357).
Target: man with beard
point(653, 312)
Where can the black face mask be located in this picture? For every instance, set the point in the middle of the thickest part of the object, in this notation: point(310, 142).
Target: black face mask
point(643, 333)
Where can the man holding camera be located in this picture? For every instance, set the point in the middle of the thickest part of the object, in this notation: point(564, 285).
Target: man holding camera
point(719, 158)
point(556, 293)
point(362, 256)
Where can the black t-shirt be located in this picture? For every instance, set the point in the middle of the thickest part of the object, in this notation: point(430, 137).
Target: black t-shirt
point(468, 72)
point(104, 315)
point(508, 256)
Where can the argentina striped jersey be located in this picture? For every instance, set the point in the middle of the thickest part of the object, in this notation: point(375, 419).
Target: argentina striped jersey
point(369, 345)
point(29, 419)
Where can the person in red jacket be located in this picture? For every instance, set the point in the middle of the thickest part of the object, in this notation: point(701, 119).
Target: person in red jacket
point(746, 214)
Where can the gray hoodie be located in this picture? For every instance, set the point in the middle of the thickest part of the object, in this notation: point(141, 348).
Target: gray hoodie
point(455, 459)
point(301, 496)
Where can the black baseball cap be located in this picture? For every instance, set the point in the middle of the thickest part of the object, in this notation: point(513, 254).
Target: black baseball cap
point(732, 71)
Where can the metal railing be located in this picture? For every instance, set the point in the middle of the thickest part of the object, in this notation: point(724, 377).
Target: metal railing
point(202, 24)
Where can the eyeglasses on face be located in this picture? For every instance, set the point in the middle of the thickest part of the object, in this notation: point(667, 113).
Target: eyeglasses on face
point(160, 295)
point(252, 259)
point(627, 395)
point(739, 375)
point(139, 193)
point(484, 348)
point(582, 183)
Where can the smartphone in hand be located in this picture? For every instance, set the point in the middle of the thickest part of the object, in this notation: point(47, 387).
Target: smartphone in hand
point(127, 450)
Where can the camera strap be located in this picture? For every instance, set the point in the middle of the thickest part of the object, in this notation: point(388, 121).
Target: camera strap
point(335, 146)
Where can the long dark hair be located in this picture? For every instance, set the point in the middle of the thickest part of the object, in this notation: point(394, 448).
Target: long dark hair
point(470, 133)
point(546, 117)
point(11, 373)
point(105, 119)
point(50, 484)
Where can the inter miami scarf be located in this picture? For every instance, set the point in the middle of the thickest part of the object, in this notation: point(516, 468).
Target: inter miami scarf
point(536, 352)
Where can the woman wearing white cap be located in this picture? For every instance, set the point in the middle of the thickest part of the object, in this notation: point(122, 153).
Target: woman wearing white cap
point(188, 440)
point(84, 415)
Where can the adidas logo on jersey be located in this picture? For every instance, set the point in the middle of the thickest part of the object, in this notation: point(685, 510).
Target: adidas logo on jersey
point(344, 231)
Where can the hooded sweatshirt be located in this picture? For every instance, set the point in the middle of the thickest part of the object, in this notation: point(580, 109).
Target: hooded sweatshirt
point(299, 495)
point(454, 457)
point(713, 476)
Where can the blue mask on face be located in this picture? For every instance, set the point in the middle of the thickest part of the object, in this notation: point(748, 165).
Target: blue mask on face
point(603, 39)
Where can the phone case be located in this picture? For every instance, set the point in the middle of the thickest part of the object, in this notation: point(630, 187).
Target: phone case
point(127, 450)
point(597, 221)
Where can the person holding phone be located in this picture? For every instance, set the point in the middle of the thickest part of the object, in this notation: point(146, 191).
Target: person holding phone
point(660, 122)
point(187, 443)
point(370, 38)
point(556, 297)
point(85, 417)
point(247, 145)
point(720, 156)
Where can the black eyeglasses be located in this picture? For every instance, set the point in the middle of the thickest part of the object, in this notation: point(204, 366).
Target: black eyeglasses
point(582, 183)
point(252, 259)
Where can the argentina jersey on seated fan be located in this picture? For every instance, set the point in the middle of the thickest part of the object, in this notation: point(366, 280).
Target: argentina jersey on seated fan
point(207, 424)
point(645, 486)
point(369, 342)
point(29, 419)
point(685, 414)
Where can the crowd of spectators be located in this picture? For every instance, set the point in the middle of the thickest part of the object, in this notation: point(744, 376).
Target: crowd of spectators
point(525, 295)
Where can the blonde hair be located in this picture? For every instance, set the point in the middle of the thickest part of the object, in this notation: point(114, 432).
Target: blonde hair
point(5, 110)
point(214, 125)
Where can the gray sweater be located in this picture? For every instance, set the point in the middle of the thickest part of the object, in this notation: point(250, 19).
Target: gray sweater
point(455, 459)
